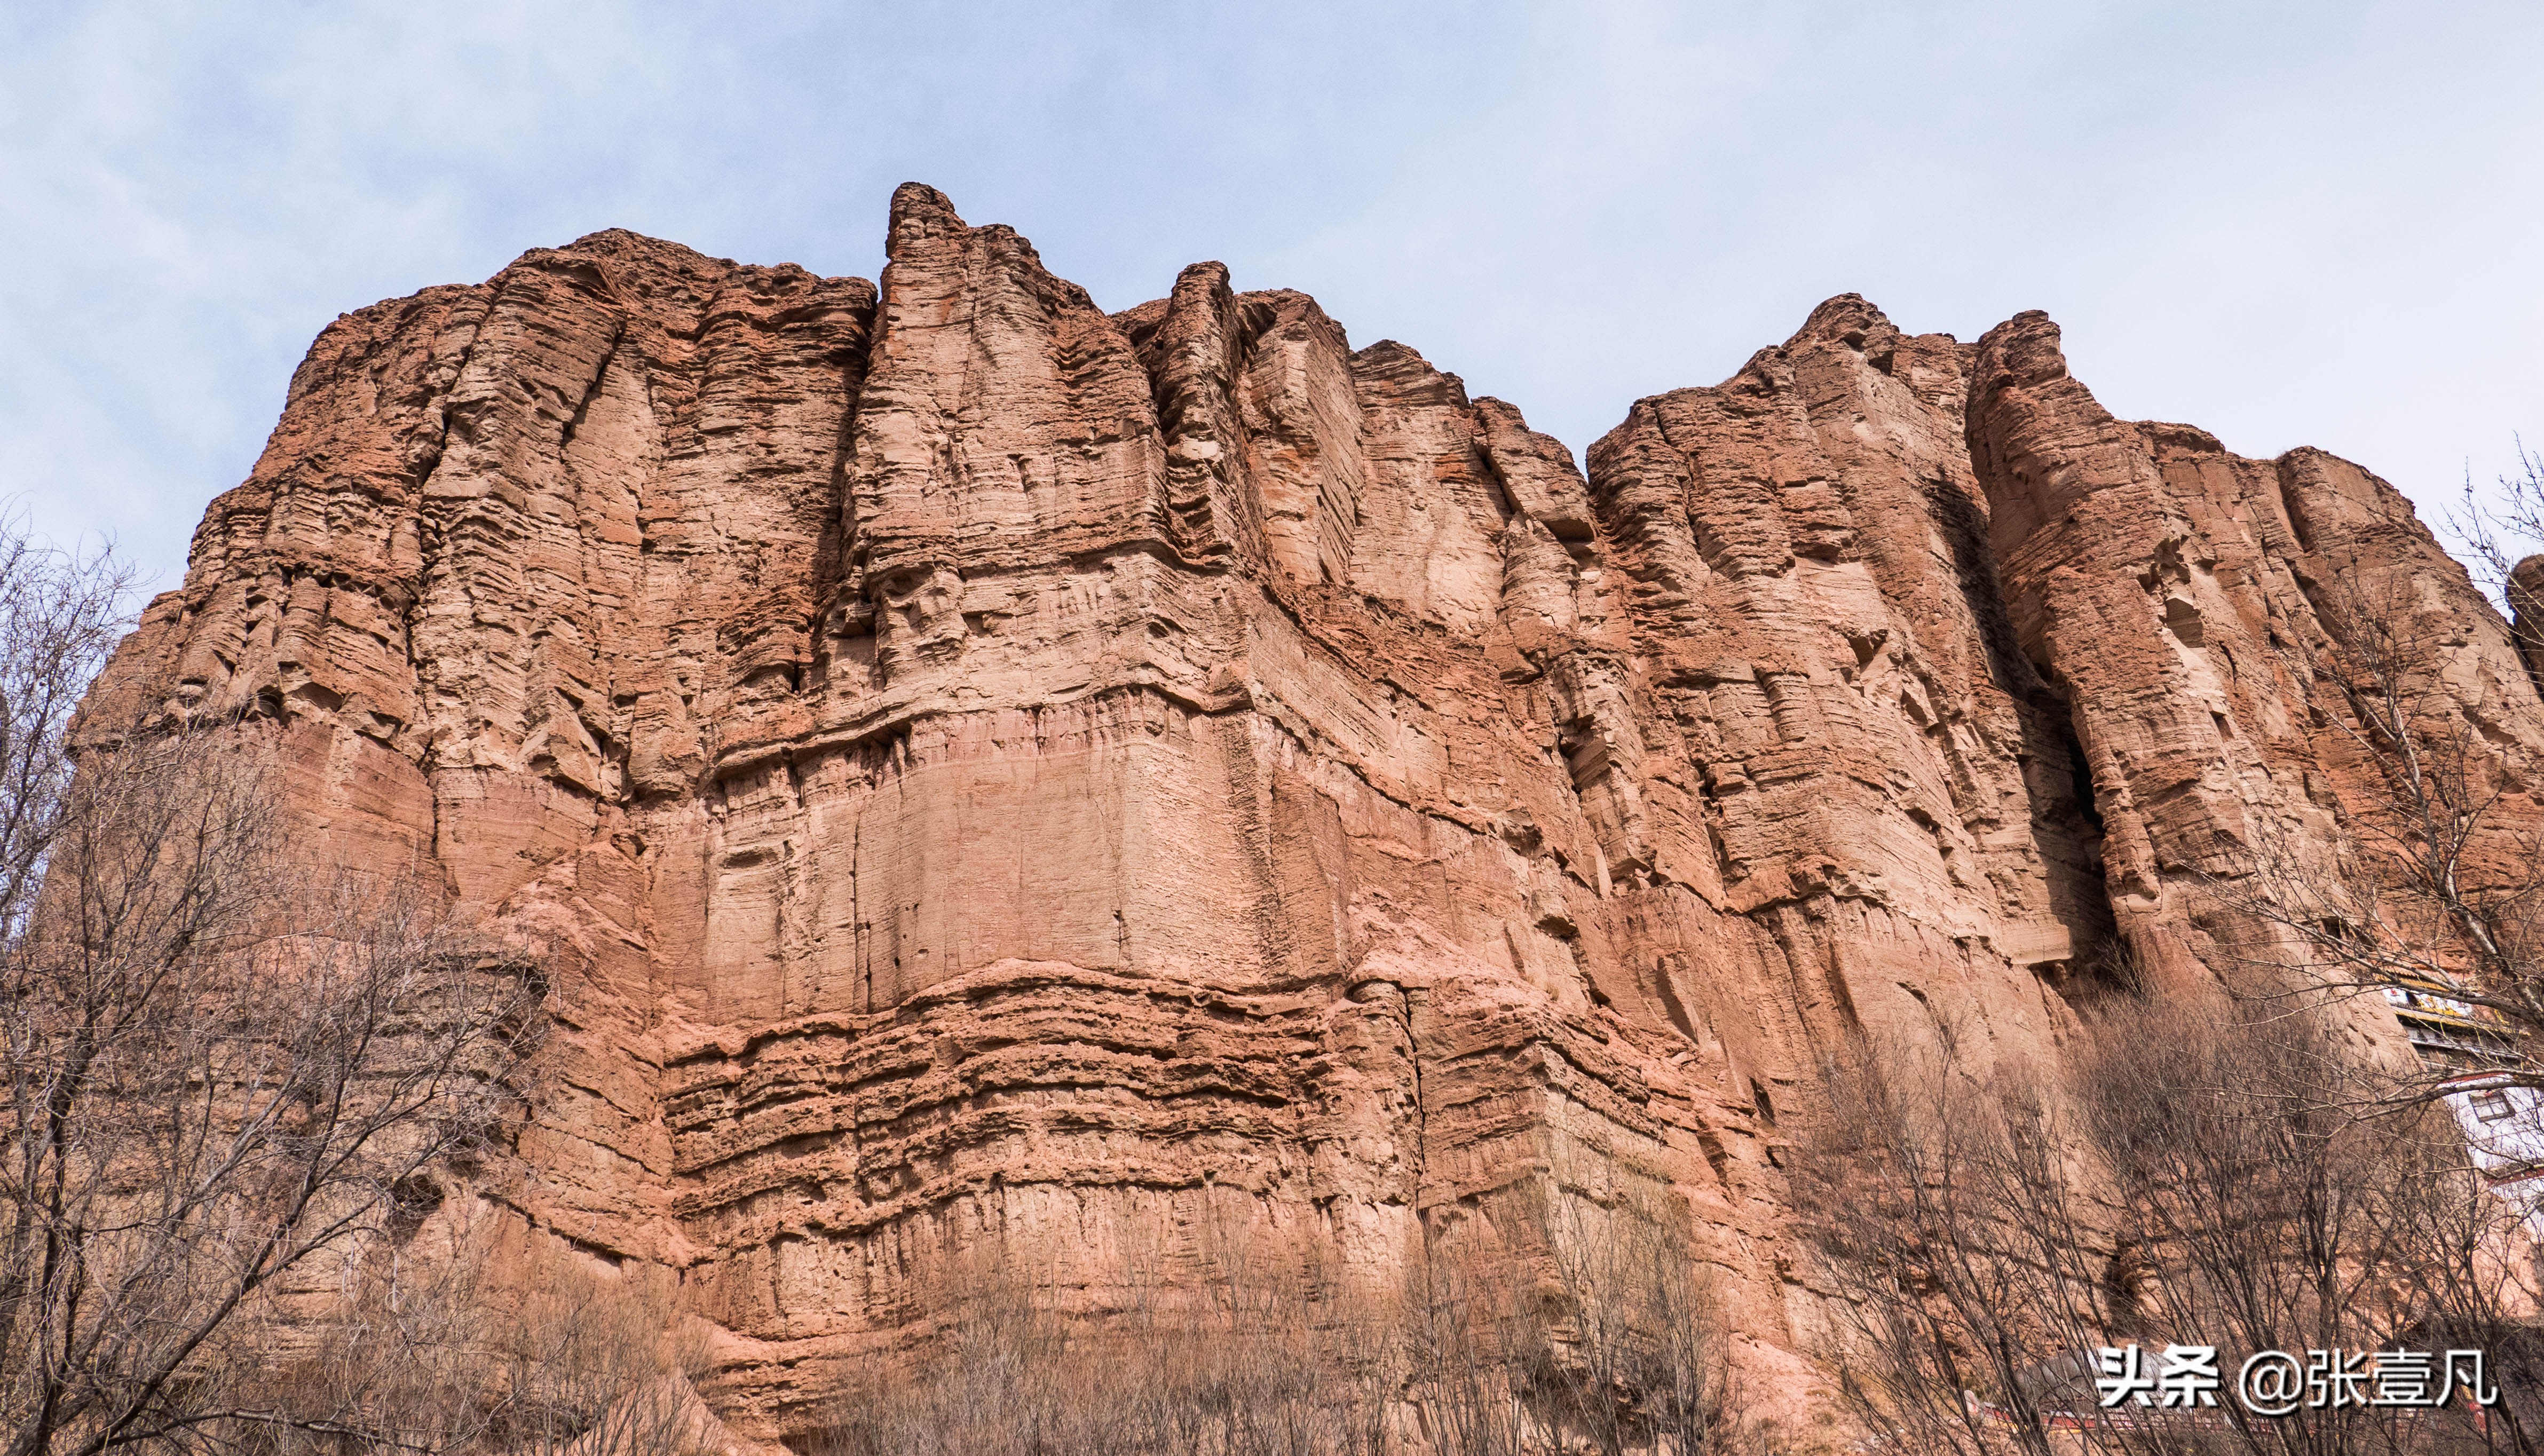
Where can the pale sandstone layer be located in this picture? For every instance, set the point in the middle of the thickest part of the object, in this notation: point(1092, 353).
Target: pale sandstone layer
point(988, 774)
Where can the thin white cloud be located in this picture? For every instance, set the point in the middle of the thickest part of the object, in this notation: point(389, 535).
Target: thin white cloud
point(2290, 224)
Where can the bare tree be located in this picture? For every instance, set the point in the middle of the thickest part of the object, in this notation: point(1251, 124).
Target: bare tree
point(2436, 878)
point(2273, 1215)
point(60, 616)
point(218, 1075)
point(2435, 884)
point(1633, 1354)
point(1463, 1390)
point(2499, 533)
point(2203, 1178)
point(1968, 1253)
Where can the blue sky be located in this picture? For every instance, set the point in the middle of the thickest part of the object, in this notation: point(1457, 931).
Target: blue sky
point(2291, 224)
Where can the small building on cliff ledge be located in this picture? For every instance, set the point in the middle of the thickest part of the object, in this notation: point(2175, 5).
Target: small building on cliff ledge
point(2502, 1121)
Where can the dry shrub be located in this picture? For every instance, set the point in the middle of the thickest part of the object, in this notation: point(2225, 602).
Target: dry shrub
point(554, 1357)
point(1605, 1339)
point(1253, 1364)
point(1958, 1243)
point(221, 1076)
point(231, 1092)
point(2201, 1180)
point(1634, 1355)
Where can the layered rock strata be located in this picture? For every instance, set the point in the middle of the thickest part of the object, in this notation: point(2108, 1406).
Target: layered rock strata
point(987, 774)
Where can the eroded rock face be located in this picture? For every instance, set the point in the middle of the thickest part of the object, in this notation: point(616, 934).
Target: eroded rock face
point(990, 775)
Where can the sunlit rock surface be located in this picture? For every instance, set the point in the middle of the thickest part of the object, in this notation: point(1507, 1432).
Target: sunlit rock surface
point(988, 774)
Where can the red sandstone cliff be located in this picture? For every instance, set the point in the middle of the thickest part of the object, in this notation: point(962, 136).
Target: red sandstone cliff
point(984, 772)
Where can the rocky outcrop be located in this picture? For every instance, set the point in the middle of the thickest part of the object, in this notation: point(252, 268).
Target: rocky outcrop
point(2178, 599)
point(988, 774)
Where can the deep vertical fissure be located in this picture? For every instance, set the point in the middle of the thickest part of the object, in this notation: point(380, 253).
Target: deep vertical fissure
point(2067, 822)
